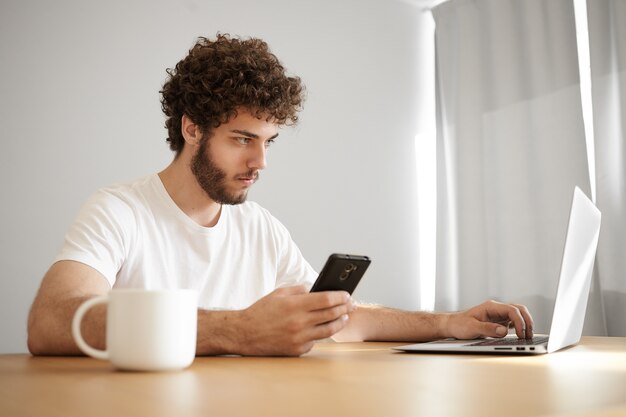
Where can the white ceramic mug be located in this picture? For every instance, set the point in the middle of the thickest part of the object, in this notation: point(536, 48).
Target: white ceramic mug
point(146, 330)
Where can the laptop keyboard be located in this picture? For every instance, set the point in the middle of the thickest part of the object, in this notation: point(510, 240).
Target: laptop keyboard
point(512, 342)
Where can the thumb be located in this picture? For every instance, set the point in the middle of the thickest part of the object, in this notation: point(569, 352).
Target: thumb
point(493, 329)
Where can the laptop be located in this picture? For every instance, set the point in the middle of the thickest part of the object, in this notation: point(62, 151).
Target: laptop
point(570, 305)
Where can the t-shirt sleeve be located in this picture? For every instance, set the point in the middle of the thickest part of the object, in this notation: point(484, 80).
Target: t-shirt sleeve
point(100, 234)
point(292, 269)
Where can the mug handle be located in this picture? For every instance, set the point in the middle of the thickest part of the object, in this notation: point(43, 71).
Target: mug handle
point(78, 318)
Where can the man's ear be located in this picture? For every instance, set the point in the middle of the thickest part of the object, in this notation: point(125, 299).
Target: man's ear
point(191, 131)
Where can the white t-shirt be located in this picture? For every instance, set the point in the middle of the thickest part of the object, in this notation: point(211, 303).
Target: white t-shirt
point(137, 237)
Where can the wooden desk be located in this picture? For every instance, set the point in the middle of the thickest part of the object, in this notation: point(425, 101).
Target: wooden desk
point(335, 379)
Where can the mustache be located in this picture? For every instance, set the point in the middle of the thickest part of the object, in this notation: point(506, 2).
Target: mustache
point(253, 174)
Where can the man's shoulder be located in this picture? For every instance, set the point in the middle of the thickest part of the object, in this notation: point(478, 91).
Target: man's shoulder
point(131, 186)
point(252, 214)
point(249, 209)
point(122, 196)
point(128, 190)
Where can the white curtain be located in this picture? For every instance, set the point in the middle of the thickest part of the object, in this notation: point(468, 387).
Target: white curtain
point(511, 148)
point(607, 41)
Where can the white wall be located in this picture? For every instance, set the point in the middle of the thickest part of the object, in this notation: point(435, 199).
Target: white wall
point(80, 109)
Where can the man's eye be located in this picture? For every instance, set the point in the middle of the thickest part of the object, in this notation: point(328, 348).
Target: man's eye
point(269, 143)
point(243, 141)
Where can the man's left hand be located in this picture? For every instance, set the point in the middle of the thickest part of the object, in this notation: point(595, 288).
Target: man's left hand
point(490, 319)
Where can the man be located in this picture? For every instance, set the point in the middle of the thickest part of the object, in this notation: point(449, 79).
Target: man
point(190, 226)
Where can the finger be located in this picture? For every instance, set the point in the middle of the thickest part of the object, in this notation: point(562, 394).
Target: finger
point(324, 299)
point(530, 324)
point(490, 329)
point(328, 329)
point(499, 312)
point(517, 320)
point(328, 314)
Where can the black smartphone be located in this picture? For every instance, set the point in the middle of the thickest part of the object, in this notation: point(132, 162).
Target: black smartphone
point(341, 273)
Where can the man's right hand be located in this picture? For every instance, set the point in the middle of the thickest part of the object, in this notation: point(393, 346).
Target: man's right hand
point(288, 321)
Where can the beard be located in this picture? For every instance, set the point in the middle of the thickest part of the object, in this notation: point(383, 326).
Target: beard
point(212, 179)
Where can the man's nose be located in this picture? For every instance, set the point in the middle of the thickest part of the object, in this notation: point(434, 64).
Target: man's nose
point(257, 159)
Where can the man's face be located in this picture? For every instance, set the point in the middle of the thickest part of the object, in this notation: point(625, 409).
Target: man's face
point(228, 162)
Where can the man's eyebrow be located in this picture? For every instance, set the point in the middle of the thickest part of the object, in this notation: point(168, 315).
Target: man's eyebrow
point(250, 134)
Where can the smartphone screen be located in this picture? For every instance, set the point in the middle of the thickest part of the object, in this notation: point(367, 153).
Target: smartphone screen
point(341, 272)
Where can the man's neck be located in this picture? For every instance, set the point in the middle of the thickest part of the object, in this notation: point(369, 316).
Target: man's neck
point(183, 188)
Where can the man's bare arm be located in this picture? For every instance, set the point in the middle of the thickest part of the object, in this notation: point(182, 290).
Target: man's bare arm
point(489, 319)
point(286, 322)
point(66, 285)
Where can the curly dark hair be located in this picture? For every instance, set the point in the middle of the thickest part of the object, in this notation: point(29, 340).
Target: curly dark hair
point(218, 77)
